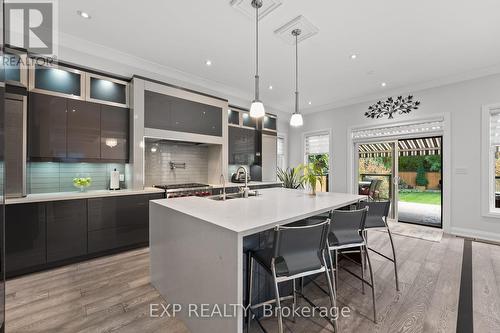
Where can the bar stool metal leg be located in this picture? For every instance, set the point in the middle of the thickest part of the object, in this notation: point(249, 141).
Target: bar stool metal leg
point(294, 286)
point(333, 273)
point(336, 269)
point(373, 286)
point(394, 259)
point(333, 296)
point(362, 253)
point(278, 300)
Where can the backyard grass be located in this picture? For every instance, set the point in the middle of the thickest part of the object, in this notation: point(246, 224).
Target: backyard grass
point(433, 198)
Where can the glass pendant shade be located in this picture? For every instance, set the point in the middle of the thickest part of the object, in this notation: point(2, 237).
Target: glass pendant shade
point(296, 120)
point(257, 109)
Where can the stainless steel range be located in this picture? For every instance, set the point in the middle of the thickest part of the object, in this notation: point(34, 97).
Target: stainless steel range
point(186, 190)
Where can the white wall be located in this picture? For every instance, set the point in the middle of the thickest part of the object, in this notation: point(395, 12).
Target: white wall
point(463, 101)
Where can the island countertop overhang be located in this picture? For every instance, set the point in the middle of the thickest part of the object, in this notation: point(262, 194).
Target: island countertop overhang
point(247, 216)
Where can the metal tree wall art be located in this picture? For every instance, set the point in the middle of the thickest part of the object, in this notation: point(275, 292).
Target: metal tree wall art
point(388, 108)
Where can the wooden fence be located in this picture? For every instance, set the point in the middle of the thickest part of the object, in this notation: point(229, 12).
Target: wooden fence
point(409, 177)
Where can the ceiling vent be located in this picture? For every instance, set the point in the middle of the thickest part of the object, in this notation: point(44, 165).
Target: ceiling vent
point(300, 22)
point(245, 7)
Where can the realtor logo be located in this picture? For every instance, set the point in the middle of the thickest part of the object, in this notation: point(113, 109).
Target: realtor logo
point(31, 25)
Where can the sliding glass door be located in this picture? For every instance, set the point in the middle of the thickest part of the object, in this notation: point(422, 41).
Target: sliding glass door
point(420, 181)
point(377, 171)
point(408, 173)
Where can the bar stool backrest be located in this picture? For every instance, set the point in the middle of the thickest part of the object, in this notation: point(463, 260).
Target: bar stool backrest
point(376, 208)
point(349, 220)
point(301, 241)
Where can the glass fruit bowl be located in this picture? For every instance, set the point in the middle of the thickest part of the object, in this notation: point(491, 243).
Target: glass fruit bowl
point(82, 183)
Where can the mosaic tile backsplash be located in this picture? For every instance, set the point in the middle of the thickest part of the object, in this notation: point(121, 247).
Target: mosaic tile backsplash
point(49, 177)
point(159, 154)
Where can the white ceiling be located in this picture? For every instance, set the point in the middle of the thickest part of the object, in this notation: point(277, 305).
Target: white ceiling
point(405, 43)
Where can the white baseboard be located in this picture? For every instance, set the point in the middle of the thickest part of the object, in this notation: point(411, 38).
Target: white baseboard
point(471, 233)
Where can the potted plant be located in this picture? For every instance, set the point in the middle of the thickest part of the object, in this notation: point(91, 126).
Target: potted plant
point(312, 175)
point(421, 179)
point(291, 177)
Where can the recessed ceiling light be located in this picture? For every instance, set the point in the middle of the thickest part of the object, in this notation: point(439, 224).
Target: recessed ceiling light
point(354, 56)
point(383, 84)
point(83, 14)
point(208, 62)
point(309, 102)
point(270, 87)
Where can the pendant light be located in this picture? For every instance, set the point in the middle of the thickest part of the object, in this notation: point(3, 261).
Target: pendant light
point(296, 119)
point(257, 108)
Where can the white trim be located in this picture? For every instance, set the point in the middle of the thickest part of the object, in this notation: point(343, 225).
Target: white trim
point(472, 233)
point(328, 131)
point(487, 165)
point(446, 151)
point(284, 136)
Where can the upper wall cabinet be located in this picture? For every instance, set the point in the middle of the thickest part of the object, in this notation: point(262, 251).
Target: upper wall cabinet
point(47, 118)
point(77, 84)
point(104, 90)
point(114, 132)
point(181, 115)
point(270, 123)
point(68, 129)
point(58, 81)
point(241, 118)
point(14, 67)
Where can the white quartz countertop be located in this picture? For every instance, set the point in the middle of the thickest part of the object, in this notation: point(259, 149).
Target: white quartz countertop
point(250, 215)
point(250, 183)
point(42, 197)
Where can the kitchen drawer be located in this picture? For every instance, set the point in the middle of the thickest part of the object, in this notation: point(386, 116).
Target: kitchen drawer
point(66, 229)
point(120, 211)
point(113, 238)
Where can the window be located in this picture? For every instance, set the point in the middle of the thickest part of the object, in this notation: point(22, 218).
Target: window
point(317, 150)
point(281, 153)
point(490, 161)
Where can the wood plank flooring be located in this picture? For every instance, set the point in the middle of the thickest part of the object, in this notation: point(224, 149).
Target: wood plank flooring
point(112, 294)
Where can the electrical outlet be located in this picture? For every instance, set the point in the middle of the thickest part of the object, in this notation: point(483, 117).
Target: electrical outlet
point(122, 177)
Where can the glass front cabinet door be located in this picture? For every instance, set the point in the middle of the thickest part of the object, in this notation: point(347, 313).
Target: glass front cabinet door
point(58, 81)
point(105, 90)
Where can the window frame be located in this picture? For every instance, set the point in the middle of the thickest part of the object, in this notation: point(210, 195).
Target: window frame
point(328, 132)
point(488, 163)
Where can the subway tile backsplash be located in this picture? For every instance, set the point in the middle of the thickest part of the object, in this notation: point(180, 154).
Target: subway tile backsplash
point(159, 154)
point(49, 177)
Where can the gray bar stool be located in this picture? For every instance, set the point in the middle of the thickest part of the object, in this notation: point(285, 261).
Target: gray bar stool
point(297, 252)
point(377, 219)
point(347, 233)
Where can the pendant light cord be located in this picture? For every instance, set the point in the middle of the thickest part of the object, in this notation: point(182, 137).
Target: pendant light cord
point(257, 93)
point(296, 73)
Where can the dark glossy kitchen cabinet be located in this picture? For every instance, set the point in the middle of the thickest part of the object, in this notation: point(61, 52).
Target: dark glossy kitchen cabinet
point(115, 222)
point(181, 115)
point(242, 145)
point(47, 126)
point(75, 130)
point(83, 138)
point(66, 229)
point(25, 244)
point(114, 132)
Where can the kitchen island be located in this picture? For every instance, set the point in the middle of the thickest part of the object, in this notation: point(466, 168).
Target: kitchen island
point(196, 249)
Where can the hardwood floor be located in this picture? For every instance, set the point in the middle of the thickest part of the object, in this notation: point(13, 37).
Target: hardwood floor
point(110, 294)
point(113, 294)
